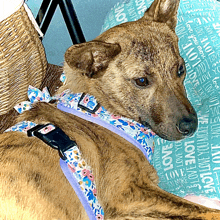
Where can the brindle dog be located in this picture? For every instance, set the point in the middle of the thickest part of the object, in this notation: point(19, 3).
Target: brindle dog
point(134, 70)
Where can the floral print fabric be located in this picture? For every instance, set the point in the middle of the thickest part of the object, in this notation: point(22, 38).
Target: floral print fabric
point(83, 174)
point(22, 126)
point(34, 95)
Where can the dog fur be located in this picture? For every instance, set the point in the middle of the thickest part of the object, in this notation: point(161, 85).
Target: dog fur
point(32, 183)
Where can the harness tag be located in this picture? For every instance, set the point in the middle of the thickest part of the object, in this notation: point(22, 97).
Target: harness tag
point(88, 103)
point(53, 136)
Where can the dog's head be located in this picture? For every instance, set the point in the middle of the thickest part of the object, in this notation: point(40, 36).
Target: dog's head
point(135, 70)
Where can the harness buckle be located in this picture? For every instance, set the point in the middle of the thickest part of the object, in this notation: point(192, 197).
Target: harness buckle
point(88, 103)
point(52, 136)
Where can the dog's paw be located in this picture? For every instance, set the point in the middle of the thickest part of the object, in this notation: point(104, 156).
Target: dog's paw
point(41, 112)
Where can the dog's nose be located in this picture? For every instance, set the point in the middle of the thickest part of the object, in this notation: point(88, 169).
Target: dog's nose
point(188, 125)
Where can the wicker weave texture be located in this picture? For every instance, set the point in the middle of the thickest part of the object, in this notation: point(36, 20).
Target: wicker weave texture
point(22, 59)
point(51, 81)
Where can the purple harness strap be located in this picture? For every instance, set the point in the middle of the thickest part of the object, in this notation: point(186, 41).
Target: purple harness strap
point(104, 124)
point(74, 183)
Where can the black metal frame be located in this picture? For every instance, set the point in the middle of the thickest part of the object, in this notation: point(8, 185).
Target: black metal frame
point(47, 10)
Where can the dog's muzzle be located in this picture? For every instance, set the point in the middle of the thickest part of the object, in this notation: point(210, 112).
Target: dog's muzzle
point(188, 125)
point(184, 127)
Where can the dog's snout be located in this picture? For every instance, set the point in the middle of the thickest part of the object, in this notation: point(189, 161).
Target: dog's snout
point(188, 125)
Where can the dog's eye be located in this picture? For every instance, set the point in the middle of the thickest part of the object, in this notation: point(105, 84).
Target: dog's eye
point(181, 70)
point(141, 82)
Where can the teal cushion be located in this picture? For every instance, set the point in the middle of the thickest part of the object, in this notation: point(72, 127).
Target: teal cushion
point(190, 166)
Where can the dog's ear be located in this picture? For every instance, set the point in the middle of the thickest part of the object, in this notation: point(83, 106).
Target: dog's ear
point(91, 57)
point(164, 11)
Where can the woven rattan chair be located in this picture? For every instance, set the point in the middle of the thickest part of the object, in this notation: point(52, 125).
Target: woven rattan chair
point(22, 63)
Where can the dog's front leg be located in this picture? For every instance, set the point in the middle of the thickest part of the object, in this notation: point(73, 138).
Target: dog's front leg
point(155, 203)
point(127, 188)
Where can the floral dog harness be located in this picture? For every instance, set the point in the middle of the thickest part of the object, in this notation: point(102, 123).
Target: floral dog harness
point(74, 166)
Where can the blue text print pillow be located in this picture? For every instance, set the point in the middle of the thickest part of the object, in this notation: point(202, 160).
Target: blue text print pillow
point(190, 166)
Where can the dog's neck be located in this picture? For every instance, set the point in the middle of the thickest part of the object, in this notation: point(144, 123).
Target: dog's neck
point(83, 84)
